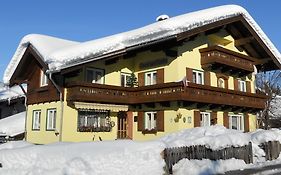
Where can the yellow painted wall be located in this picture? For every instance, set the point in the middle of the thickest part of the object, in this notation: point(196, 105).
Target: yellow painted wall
point(42, 136)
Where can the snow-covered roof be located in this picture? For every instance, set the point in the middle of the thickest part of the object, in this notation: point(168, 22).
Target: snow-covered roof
point(60, 54)
point(10, 93)
point(13, 125)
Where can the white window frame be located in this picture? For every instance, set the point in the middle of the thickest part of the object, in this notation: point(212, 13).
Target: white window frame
point(95, 70)
point(221, 82)
point(239, 124)
point(126, 77)
point(242, 85)
point(150, 121)
point(205, 119)
point(36, 117)
point(150, 82)
point(51, 119)
point(43, 79)
point(196, 80)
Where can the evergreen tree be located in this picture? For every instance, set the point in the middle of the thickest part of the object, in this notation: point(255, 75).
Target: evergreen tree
point(132, 80)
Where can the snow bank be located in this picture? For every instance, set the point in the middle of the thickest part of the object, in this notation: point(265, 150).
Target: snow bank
point(214, 137)
point(205, 166)
point(261, 136)
point(13, 125)
point(60, 53)
point(112, 157)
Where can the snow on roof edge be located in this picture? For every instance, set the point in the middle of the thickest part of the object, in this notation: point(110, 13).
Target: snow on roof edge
point(75, 53)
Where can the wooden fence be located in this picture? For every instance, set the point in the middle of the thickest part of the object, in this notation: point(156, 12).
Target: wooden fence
point(174, 155)
point(272, 149)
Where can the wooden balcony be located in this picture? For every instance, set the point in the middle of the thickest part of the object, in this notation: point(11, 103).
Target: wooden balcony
point(202, 95)
point(216, 58)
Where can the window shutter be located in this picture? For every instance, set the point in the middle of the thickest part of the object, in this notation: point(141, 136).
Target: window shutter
point(226, 83)
point(160, 76)
point(141, 79)
point(207, 78)
point(196, 118)
point(189, 74)
point(248, 86)
point(225, 119)
point(235, 84)
point(214, 118)
point(140, 121)
point(246, 123)
point(160, 121)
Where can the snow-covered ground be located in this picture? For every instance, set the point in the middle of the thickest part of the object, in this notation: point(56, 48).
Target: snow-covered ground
point(131, 157)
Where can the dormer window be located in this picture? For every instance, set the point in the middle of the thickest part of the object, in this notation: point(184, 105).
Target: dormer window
point(43, 79)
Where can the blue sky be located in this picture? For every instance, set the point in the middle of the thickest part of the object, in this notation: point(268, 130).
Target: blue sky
point(85, 20)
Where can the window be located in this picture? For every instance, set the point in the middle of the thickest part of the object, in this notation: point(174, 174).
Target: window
point(124, 79)
point(43, 79)
point(36, 120)
point(205, 119)
point(93, 121)
point(95, 75)
point(221, 83)
point(150, 78)
point(242, 85)
point(150, 119)
point(51, 119)
point(236, 122)
point(197, 77)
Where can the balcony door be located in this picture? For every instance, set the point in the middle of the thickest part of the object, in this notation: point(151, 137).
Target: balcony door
point(122, 128)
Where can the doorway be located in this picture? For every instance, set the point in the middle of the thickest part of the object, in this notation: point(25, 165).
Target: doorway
point(122, 128)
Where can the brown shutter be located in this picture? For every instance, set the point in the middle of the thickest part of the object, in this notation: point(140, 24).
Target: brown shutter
point(160, 121)
point(160, 76)
point(246, 123)
point(141, 79)
point(225, 119)
point(140, 121)
point(248, 86)
point(235, 84)
point(214, 118)
point(196, 118)
point(189, 74)
point(226, 83)
point(207, 78)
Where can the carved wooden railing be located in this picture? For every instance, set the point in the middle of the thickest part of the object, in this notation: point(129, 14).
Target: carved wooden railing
point(216, 54)
point(88, 92)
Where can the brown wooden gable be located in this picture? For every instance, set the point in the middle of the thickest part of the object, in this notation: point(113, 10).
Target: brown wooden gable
point(27, 66)
point(29, 71)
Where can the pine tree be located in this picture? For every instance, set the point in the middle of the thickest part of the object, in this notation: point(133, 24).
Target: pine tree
point(132, 80)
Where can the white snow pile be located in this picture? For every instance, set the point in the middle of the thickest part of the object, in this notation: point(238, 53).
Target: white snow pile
point(14, 92)
point(90, 158)
point(13, 125)
point(129, 157)
point(205, 166)
point(214, 137)
point(59, 53)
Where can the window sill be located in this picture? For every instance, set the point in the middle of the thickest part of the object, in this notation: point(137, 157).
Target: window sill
point(42, 89)
point(153, 131)
point(91, 129)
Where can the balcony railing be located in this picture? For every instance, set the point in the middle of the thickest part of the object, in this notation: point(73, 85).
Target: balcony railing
point(196, 93)
point(223, 57)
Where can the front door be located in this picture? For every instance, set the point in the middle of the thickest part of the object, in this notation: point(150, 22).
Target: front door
point(122, 125)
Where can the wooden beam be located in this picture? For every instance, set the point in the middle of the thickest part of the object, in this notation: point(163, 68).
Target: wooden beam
point(243, 41)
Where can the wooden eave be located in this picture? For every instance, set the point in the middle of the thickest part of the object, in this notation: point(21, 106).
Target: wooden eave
point(25, 68)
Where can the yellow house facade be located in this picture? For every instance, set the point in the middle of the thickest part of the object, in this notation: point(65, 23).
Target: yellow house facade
point(194, 78)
